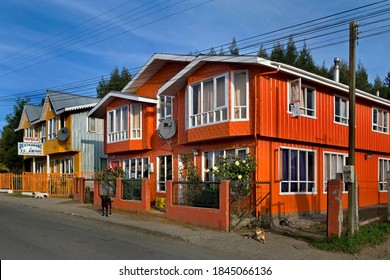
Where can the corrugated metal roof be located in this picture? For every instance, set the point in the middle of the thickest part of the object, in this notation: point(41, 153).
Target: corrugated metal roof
point(33, 112)
point(62, 102)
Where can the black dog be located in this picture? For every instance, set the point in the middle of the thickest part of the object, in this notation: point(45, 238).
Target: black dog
point(106, 201)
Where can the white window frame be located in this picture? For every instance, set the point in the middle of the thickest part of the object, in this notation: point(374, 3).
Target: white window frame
point(383, 167)
point(136, 168)
point(161, 187)
point(42, 133)
point(302, 99)
point(217, 114)
point(339, 169)
point(164, 111)
point(213, 160)
point(39, 166)
point(380, 127)
point(52, 128)
point(340, 119)
point(67, 166)
point(289, 181)
point(240, 108)
point(92, 124)
point(136, 129)
point(118, 132)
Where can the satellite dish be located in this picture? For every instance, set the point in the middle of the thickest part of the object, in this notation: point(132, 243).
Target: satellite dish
point(63, 134)
point(167, 128)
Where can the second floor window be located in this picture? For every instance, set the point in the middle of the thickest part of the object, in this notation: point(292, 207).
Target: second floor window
point(52, 129)
point(240, 95)
point(117, 124)
point(380, 120)
point(208, 101)
point(301, 97)
point(43, 133)
point(341, 108)
point(165, 108)
point(136, 121)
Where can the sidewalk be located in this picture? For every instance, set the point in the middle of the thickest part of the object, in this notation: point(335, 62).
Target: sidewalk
point(277, 246)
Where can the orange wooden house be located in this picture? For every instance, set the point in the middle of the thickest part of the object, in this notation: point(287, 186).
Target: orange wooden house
point(293, 121)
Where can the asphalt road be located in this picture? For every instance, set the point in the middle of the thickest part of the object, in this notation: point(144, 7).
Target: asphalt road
point(34, 234)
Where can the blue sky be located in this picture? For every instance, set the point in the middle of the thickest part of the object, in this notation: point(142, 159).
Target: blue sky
point(70, 44)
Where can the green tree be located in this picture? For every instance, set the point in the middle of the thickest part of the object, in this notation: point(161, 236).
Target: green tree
point(234, 48)
point(212, 52)
point(362, 82)
point(291, 53)
point(116, 82)
point(262, 52)
point(9, 158)
point(305, 60)
point(277, 53)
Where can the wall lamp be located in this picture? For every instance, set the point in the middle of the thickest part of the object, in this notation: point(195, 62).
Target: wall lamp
point(368, 155)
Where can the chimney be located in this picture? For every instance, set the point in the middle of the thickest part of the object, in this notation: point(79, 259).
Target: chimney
point(336, 71)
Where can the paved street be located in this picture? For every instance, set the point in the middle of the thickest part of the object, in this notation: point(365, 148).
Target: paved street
point(133, 233)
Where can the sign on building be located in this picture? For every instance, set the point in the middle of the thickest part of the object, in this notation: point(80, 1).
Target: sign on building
point(30, 149)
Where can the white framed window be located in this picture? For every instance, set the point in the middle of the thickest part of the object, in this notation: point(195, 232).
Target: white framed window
point(208, 101)
point(92, 124)
point(380, 121)
point(212, 158)
point(165, 108)
point(240, 95)
point(165, 171)
point(39, 167)
point(297, 169)
point(43, 133)
point(28, 132)
point(136, 121)
point(333, 164)
point(341, 110)
point(384, 168)
point(66, 165)
point(52, 128)
point(136, 168)
point(117, 122)
point(301, 97)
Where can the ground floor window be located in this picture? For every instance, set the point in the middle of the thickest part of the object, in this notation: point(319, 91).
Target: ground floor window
point(39, 166)
point(165, 172)
point(297, 171)
point(136, 168)
point(384, 168)
point(67, 166)
point(333, 164)
point(212, 158)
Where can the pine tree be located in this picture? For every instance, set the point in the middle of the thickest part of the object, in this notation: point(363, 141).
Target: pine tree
point(277, 53)
point(305, 60)
point(116, 82)
point(362, 82)
point(234, 48)
point(9, 158)
point(291, 53)
point(262, 53)
point(212, 52)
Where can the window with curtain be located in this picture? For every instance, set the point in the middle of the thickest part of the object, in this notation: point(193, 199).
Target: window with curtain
point(52, 128)
point(117, 122)
point(164, 108)
point(240, 95)
point(305, 97)
point(333, 164)
point(341, 107)
point(384, 168)
point(380, 120)
point(208, 101)
point(136, 121)
point(297, 170)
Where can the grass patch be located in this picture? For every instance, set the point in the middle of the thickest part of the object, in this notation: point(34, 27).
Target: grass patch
point(369, 235)
point(19, 195)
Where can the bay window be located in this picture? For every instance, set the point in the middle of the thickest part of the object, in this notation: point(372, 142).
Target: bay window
point(117, 122)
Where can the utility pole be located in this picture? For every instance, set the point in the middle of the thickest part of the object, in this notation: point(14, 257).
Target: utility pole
point(352, 190)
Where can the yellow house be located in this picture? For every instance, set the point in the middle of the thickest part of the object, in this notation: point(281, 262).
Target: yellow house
point(71, 142)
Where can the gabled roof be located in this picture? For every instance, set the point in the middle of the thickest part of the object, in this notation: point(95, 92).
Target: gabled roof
point(30, 112)
point(151, 67)
point(180, 79)
point(63, 102)
point(100, 109)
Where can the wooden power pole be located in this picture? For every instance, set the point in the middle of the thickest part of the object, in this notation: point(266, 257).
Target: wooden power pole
point(352, 189)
